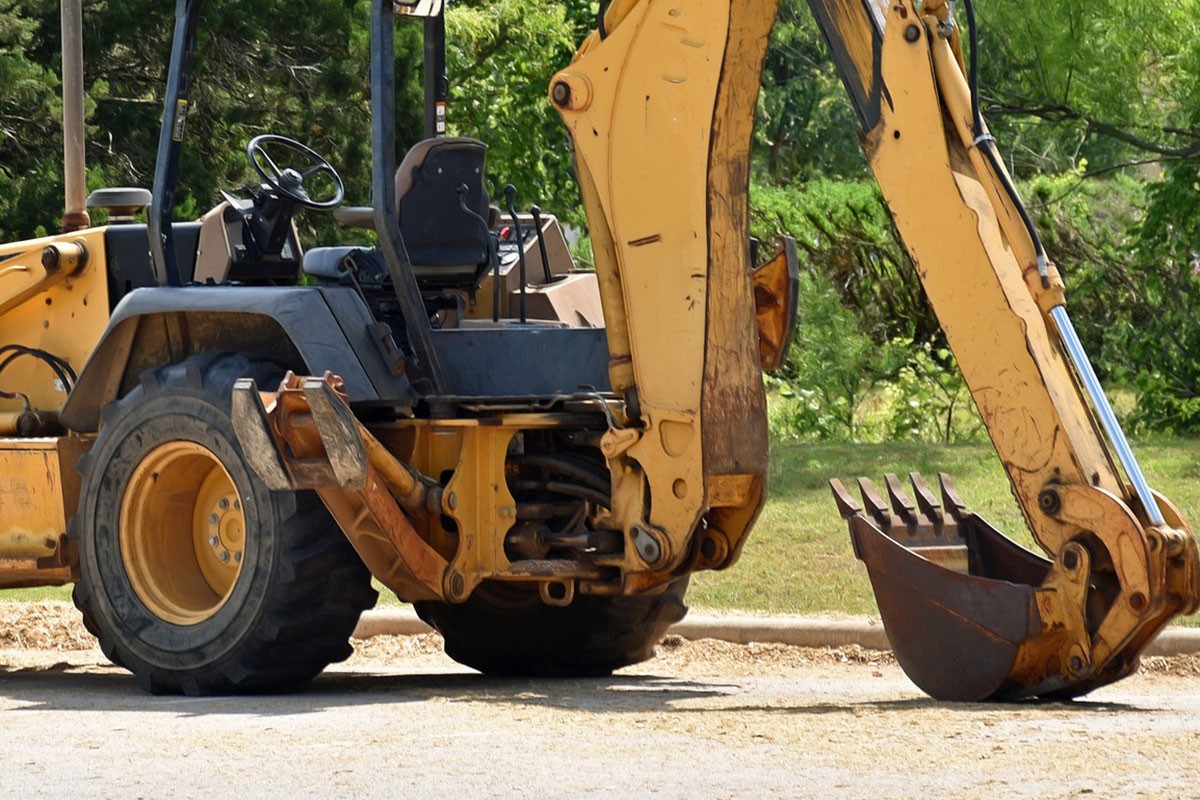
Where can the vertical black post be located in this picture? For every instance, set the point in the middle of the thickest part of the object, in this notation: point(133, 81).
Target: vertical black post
point(536, 213)
point(437, 82)
point(510, 193)
point(170, 138)
point(383, 194)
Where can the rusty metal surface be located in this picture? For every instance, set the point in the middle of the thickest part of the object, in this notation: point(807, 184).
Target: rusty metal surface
point(1007, 624)
point(775, 289)
point(946, 629)
point(305, 437)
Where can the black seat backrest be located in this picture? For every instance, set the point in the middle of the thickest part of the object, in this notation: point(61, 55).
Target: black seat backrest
point(447, 245)
point(130, 265)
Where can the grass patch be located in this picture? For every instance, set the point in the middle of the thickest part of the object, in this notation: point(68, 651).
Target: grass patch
point(36, 594)
point(798, 560)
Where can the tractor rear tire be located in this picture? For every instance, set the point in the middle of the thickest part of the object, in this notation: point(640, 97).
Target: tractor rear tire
point(193, 575)
point(507, 630)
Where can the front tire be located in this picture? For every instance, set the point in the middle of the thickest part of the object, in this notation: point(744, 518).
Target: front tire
point(193, 575)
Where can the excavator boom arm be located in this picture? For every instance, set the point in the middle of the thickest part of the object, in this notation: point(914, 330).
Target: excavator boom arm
point(661, 109)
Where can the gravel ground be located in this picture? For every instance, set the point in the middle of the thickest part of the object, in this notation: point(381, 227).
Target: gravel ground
point(705, 719)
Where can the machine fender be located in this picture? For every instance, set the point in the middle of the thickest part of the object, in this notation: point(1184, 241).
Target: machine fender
point(315, 329)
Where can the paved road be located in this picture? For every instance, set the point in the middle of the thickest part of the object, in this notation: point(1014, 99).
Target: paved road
point(726, 721)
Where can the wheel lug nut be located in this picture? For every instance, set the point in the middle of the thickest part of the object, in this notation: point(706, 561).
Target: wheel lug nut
point(214, 540)
point(224, 556)
point(237, 557)
point(213, 518)
point(223, 504)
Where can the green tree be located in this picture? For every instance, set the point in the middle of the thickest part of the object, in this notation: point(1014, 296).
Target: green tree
point(30, 136)
point(299, 68)
point(805, 127)
point(501, 57)
point(1109, 81)
point(831, 368)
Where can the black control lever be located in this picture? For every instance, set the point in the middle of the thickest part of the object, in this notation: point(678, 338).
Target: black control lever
point(462, 190)
point(537, 226)
point(510, 192)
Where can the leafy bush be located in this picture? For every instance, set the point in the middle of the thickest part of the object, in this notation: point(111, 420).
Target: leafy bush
point(1090, 230)
point(1130, 253)
point(1163, 341)
point(869, 359)
point(931, 401)
point(831, 369)
point(844, 231)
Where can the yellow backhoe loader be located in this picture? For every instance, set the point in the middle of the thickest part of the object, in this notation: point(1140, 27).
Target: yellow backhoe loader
point(219, 454)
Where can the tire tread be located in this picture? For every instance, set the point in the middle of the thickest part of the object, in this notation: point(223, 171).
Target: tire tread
point(319, 590)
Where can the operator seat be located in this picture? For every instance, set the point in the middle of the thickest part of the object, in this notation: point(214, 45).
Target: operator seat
point(446, 231)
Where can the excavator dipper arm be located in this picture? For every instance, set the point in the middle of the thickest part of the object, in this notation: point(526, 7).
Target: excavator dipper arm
point(1124, 562)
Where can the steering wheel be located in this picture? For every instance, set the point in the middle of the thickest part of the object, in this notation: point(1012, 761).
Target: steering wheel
point(288, 181)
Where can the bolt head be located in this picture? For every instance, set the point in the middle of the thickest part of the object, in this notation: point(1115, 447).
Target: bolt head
point(561, 93)
point(224, 556)
point(1070, 559)
point(1049, 501)
point(912, 33)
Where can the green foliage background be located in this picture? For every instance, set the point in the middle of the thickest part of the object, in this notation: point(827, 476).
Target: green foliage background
point(1096, 104)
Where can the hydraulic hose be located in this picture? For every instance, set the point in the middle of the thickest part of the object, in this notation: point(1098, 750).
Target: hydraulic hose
point(987, 145)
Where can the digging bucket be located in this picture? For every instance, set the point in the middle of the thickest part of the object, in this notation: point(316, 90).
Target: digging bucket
point(970, 614)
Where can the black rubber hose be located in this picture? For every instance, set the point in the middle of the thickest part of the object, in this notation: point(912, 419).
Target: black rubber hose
point(42, 356)
point(987, 145)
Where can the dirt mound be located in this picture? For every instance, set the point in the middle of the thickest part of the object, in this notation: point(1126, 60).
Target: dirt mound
point(43, 626)
point(57, 626)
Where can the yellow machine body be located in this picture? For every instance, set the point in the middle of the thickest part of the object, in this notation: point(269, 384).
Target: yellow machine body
point(53, 297)
point(62, 311)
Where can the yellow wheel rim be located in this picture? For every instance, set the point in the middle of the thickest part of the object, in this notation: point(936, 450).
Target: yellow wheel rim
point(183, 532)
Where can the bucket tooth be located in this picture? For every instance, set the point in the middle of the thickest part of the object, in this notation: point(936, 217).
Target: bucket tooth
point(874, 505)
point(903, 505)
point(847, 505)
point(950, 499)
point(926, 501)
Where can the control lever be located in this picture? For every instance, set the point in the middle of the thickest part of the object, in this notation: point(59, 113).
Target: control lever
point(462, 190)
point(537, 226)
point(510, 192)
